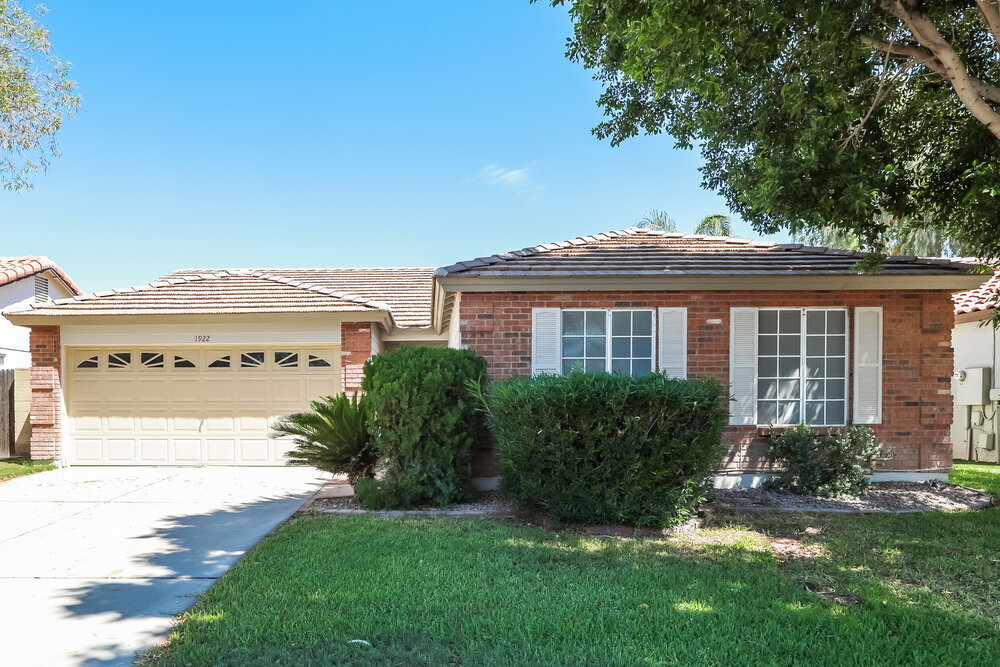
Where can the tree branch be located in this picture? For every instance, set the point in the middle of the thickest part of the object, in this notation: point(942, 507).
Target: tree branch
point(991, 14)
point(925, 57)
point(926, 33)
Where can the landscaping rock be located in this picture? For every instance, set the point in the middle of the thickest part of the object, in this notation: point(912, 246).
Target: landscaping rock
point(884, 497)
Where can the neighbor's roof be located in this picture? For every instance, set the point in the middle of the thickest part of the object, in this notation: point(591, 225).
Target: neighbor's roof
point(16, 268)
point(235, 291)
point(984, 297)
point(644, 252)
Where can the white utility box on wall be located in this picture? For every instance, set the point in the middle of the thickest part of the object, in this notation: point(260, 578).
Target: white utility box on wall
point(973, 386)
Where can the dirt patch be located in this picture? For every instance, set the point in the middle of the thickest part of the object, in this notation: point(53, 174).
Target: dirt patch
point(487, 502)
point(787, 548)
point(889, 497)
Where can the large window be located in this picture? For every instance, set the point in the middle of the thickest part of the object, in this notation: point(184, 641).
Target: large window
point(615, 341)
point(802, 366)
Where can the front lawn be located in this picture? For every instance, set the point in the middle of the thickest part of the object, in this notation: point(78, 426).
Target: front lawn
point(774, 589)
point(10, 468)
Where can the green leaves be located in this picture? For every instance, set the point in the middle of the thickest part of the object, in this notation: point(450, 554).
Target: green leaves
point(333, 437)
point(600, 448)
point(426, 424)
point(834, 465)
point(36, 95)
point(796, 118)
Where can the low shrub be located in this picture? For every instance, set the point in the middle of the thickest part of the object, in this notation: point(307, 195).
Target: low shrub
point(425, 424)
point(838, 464)
point(332, 437)
point(599, 448)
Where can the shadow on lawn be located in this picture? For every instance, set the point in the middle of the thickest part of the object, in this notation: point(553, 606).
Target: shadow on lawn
point(193, 551)
point(478, 592)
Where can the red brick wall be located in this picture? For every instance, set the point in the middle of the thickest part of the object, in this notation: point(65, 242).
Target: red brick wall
point(46, 393)
point(917, 355)
point(355, 349)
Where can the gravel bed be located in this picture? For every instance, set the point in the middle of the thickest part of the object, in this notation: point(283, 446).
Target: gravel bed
point(487, 502)
point(890, 497)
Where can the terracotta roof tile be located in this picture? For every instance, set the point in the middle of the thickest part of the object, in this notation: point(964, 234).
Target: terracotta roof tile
point(15, 268)
point(406, 294)
point(643, 252)
point(984, 297)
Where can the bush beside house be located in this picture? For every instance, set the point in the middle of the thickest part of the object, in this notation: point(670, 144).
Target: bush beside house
point(838, 464)
point(425, 424)
point(332, 437)
point(600, 448)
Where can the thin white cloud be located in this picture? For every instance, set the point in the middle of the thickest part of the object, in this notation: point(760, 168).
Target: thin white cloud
point(518, 180)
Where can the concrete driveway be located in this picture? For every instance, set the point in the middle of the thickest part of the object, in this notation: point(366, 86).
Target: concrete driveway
point(94, 562)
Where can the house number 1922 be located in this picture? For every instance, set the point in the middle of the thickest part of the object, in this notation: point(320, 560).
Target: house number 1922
point(202, 338)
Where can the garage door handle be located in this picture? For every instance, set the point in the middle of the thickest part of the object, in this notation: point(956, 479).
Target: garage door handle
point(201, 425)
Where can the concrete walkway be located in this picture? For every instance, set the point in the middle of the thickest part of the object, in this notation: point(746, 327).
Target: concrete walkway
point(94, 562)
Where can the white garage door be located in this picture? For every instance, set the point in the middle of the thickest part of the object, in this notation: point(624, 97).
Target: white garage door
point(189, 405)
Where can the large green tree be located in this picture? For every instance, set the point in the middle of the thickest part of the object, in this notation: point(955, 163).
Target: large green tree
point(812, 114)
point(36, 95)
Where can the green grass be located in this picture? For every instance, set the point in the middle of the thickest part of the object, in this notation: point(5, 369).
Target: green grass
point(10, 468)
point(985, 476)
point(862, 590)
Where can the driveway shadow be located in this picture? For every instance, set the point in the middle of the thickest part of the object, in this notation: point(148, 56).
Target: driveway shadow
point(197, 549)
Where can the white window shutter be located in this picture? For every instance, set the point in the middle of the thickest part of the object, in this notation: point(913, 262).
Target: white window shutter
point(673, 342)
point(868, 365)
point(546, 338)
point(743, 366)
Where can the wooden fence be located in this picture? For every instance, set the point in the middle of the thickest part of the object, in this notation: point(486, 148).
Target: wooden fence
point(6, 412)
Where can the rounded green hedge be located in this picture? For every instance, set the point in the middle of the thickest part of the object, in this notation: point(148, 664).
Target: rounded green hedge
point(425, 424)
point(600, 448)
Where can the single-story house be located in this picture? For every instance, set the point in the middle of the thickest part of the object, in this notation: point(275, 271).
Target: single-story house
point(23, 280)
point(26, 280)
point(192, 368)
point(976, 429)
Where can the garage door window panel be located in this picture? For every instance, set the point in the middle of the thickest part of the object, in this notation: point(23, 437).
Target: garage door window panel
point(119, 360)
point(286, 359)
point(183, 362)
point(318, 362)
point(89, 362)
point(151, 360)
point(221, 362)
point(251, 359)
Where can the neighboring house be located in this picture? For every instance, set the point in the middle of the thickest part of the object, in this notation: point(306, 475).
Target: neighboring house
point(26, 280)
point(191, 368)
point(976, 429)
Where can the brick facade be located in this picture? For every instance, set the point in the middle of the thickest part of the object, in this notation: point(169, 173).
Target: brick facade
point(916, 372)
point(46, 393)
point(355, 350)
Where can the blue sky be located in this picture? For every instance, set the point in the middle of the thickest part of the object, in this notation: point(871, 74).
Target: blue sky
point(396, 133)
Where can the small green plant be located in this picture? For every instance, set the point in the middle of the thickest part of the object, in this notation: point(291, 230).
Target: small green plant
point(426, 425)
point(332, 437)
point(834, 465)
point(601, 448)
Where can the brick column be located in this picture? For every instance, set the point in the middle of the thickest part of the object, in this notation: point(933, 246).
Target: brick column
point(46, 393)
point(355, 350)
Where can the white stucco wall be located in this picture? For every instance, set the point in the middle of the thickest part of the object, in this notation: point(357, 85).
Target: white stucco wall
point(975, 346)
point(14, 339)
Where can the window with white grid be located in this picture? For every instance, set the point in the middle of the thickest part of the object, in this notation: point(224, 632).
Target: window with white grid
point(614, 341)
point(802, 366)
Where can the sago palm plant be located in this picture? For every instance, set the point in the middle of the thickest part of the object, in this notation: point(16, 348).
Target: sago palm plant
point(332, 437)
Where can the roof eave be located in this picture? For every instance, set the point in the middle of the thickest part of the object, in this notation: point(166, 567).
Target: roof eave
point(743, 282)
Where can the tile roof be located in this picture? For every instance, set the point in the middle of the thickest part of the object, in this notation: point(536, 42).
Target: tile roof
point(228, 291)
point(984, 297)
point(407, 293)
point(15, 268)
point(644, 252)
